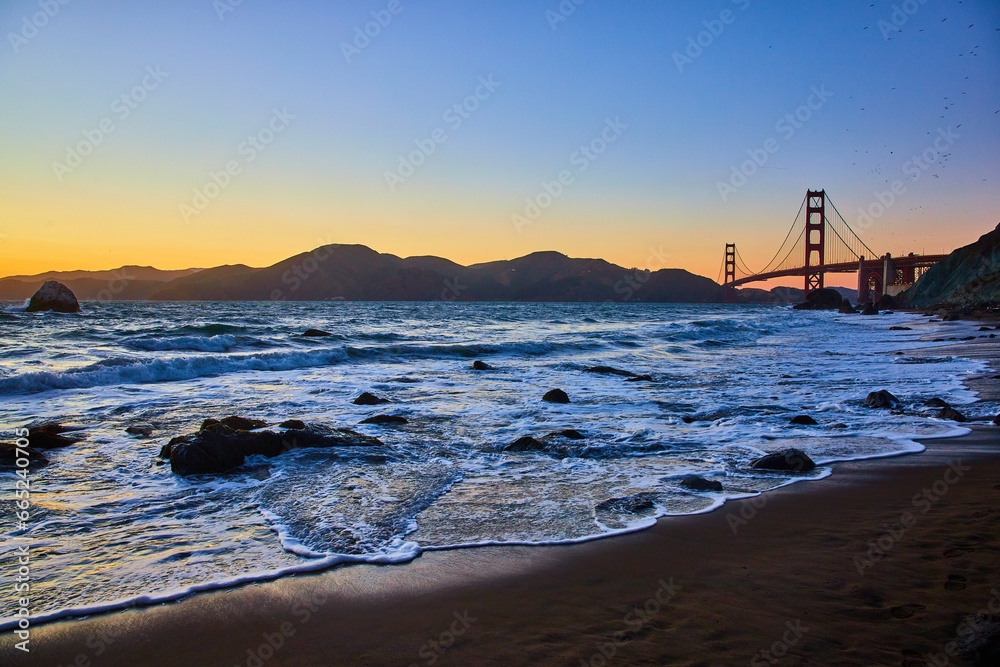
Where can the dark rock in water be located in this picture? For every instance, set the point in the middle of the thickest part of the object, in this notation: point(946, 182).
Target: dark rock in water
point(900, 329)
point(482, 366)
point(49, 435)
point(242, 423)
point(168, 448)
point(804, 420)
point(986, 328)
point(53, 296)
point(937, 403)
point(219, 449)
point(569, 434)
point(525, 444)
point(316, 333)
point(996, 420)
point(952, 414)
point(556, 396)
point(608, 370)
point(882, 399)
point(209, 423)
point(822, 299)
point(847, 309)
point(369, 399)
point(385, 419)
point(140, 430)
point(886, 301)
point(641, 378)
point(640, 502)
point(793, 460)
point(870, 309)
point(10, 453)
point(698, 483)
point(293, 424)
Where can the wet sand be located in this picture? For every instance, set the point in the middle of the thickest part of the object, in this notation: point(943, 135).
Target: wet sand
point(881, 563)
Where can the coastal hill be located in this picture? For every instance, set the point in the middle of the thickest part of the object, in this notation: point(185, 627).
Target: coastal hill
point(968, 277)
point(358, 273)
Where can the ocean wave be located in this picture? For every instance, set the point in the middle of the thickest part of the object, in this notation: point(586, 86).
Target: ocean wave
point(217, 343)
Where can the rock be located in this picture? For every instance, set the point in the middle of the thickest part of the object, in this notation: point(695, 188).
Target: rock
point(608, 370)
point(839, 425)
point(369, 399)
point(569, 434)
point(996, 420)
point(482, 366)
point(209, 423)
point(640, 502)
point(166, 449)
point(219, 449)
point(937, 403)
point(882, 399)
point(887, 301)
point(822, 299)
point(952, 414)
point(986, 328)
point(53, 296)
point(804, 420)
point(10, 453)
point(793, 460)
point(641, 378)
point(140, 430)
point(525, 444)
point(242, 423)
point(49, 435)
point(900, 329)
point(385, 419)
point(698, 483)
point(556, 396)
point(870, 309)
point(847, 309)
point(293, 424)
point(316, 333)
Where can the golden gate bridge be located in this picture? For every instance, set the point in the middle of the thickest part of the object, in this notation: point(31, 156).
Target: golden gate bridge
point(819, 242)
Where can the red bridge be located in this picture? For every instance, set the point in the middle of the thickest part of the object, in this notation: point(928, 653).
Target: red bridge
point(825, 243)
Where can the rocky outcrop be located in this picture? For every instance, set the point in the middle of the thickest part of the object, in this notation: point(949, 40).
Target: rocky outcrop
point(53, 296)
point(50, 435)
point(525, 444)
point(608, 370)
point(385, 419)
point(822, 299)
point(791, 460)
point(699, 483)
point(952, 414)
point(482, 366)
point(847, 309)
point(569, 434)
point(640, 502)
point(370, 399)
point(316, 333)
point(10, 453)
point(292, 424)
point(556, 396)
point(804, 420)
point(882, 399)
point(219, 449)
point(937, 403)
point(140, 430)
point(870, 309)
point(968, 277)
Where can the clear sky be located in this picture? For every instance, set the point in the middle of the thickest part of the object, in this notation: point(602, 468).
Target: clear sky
point(116, 114)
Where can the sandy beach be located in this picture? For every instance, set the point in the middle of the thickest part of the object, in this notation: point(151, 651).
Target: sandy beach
point(884, 563)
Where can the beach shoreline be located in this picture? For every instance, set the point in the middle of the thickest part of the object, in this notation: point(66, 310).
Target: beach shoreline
point(796, 563)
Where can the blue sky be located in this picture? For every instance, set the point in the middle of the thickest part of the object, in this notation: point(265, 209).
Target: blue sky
point(323, 178)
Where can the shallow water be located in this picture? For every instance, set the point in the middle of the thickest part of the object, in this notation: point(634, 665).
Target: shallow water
point(110, 526)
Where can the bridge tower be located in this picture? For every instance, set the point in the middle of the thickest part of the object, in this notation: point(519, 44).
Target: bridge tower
point(729, 293)
point(815, 239)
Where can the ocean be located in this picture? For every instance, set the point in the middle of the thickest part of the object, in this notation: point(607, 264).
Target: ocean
point(111, 527)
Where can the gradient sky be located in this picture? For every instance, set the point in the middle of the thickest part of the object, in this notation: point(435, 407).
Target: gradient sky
point(650, 200)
